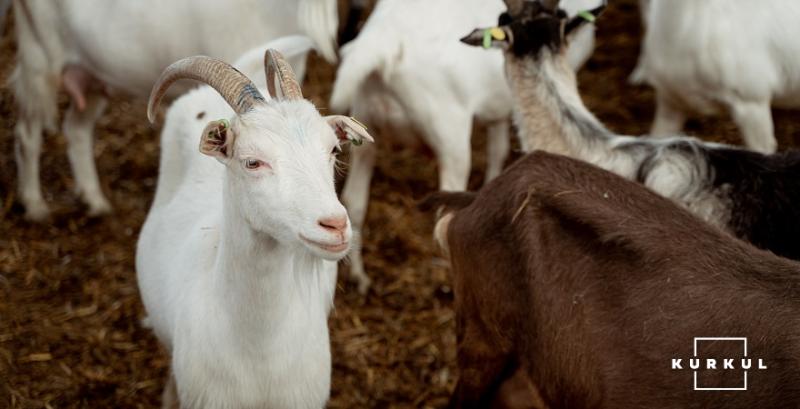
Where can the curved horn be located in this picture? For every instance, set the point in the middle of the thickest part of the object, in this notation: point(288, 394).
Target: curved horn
point(277, 68)
point(239, 92)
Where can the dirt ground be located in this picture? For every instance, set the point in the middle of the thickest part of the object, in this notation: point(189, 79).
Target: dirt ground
point(69, 306)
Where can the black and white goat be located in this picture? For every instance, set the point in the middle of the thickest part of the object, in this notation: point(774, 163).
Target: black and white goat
point(750, 194)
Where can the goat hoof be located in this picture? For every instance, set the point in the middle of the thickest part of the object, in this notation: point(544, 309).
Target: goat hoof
point(361, 280)
point(363, 285)
point(38, 212)
point(99, 209)
point(637, 77)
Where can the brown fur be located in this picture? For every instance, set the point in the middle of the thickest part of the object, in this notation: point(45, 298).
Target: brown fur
point(598, 283)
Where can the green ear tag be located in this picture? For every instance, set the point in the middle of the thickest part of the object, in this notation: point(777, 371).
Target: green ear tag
point(225, 124)
point(587, 15)
point(487, 38)
point(356, 142)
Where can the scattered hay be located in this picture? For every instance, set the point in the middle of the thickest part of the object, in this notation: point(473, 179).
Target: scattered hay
point(70, 333)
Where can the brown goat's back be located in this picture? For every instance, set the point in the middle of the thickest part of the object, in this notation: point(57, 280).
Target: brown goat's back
point(591, 285)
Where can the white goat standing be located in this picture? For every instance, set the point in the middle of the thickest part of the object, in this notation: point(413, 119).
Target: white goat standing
point(88, 47)
point(713, 56)
point(406, 69)
point(237, 259)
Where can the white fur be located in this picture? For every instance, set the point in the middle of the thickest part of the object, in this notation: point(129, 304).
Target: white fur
point(230, 288)
point(407, 70)
point(637, 76)
point(712, 56)
point(125, 45)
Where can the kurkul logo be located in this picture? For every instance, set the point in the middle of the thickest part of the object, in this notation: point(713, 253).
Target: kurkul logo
point(697, 364)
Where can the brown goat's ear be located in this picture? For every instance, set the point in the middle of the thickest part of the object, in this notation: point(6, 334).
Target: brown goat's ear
point(217, 139)
point(440, 233)
point(445, 203)
point(348, 129)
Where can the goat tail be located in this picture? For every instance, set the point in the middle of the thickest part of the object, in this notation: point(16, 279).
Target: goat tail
point(294, 48)
point(370, 52)
point(37, 76)
point(319, 19)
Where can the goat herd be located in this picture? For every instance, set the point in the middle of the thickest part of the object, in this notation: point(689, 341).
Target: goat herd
point(597, 271)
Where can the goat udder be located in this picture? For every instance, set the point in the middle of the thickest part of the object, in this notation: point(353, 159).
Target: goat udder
point(78, 82)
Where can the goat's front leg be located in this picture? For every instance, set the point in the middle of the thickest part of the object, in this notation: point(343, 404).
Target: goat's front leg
point(518, 392)
point(754, 120)
point(27, 151)
point(481, 373)
point(450, 140)
point(355, 197)
point(79, 130)
point(669, 118)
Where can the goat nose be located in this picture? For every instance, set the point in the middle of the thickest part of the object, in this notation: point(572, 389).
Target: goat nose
point(335, 224)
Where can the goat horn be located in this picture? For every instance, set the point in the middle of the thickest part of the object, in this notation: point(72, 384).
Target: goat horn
point(239, 92)
point(277, 67)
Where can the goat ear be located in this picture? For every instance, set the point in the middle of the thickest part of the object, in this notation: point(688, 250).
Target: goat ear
point(494, 37)
point(349, 129)
point(217, 139)
point(583, 17)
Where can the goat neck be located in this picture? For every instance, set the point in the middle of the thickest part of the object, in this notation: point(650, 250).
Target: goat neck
point(549, 111)
point(256, 275)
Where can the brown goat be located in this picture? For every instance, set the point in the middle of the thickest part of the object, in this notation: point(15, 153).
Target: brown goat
point(590, 285)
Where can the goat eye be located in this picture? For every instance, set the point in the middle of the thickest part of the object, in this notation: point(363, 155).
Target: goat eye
point(253, 164)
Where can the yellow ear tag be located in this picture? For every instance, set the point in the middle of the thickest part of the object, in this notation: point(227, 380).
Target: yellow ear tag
point(497, 33)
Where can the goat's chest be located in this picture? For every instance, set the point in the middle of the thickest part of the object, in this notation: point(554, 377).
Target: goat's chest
point(282, 363)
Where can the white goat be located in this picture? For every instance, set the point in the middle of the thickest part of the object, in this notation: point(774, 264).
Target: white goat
point(407, 70)
point(236, 262)
point(713, 56)
point(88, 47)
